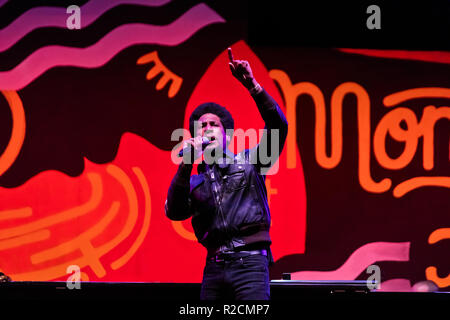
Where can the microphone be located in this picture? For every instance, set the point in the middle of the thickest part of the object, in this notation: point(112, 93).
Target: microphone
point(205, 142)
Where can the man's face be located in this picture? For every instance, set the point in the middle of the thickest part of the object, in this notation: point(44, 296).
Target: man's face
point(211, 127)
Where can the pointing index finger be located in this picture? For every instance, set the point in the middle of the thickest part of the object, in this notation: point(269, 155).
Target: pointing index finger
point(230, 55)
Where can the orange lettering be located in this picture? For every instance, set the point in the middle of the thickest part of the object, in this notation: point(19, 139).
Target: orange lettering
point(292, 92)
point(426, 126)
point(390, 123)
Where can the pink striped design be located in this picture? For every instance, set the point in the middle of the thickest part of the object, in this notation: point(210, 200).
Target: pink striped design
point(106, 48)
point(41, 17)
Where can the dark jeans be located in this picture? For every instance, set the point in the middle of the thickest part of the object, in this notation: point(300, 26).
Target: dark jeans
point(245, 278)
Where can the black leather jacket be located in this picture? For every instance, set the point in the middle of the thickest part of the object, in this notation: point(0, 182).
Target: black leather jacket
point(228, 201)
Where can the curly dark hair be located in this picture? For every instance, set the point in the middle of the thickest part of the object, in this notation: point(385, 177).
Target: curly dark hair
point(211, 107)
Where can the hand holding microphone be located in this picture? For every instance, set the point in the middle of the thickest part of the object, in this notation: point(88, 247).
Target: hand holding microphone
point(197, 144)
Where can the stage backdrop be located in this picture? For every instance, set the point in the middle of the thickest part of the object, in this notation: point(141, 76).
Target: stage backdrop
point(86, 118)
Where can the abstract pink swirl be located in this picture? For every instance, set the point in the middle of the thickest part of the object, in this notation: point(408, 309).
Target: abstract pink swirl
point(359, 260)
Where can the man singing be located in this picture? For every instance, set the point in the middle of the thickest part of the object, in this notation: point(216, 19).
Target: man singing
point(227, 199)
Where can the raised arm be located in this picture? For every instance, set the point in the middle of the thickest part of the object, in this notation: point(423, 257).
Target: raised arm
point(276, 126)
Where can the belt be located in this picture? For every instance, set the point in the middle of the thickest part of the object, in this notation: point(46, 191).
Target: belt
point(234, 255)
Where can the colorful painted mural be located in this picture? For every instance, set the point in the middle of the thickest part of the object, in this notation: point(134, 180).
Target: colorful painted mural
point(86, 118)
